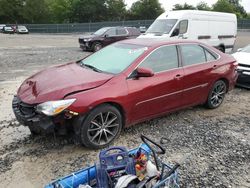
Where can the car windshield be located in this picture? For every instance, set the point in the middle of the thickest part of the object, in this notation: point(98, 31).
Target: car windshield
point(7, 27)
point(246, 49)
point(101, 31)
point(114, 58)
point(161, 26)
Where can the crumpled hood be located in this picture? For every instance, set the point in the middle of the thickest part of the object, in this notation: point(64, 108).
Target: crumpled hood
point(56, 82)
point(87, 36)
point(242, 57)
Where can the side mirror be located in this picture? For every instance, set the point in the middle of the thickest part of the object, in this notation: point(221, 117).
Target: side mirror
point(106, 35)
point(239, 50)
point(144, 72)
point(175, 32)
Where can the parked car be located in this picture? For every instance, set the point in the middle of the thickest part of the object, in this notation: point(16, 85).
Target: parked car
point(142, 29)
point(1, 27)
point(214, 28)
point(124, 83)
point(243, 58)
point(106, 36)
point(9, 30)
point(20, 29)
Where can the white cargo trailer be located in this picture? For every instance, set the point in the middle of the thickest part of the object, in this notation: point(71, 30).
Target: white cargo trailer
point(214, 28)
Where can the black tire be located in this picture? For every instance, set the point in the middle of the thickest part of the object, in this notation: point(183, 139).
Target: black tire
point(222, 49)
point(34, 131)
point(96, 46)
point(100, 127)
point(216, 94)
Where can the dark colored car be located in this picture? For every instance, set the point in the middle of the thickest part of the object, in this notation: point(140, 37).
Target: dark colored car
point(106, 36)
point(8, 30)
point(124, 83)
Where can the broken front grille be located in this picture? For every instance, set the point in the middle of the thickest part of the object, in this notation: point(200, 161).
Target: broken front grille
point(23, 109)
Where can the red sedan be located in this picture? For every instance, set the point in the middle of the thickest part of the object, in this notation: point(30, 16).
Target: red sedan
point(124, 83)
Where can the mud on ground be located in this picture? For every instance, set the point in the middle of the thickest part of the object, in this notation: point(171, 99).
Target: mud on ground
point(218, 140)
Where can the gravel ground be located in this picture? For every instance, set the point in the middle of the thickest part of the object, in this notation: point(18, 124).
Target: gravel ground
point(218, 141)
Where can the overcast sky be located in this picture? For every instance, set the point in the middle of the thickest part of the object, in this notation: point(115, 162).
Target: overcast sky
point(168, 4)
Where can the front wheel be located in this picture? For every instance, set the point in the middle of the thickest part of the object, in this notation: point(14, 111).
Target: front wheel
point(96, 46)
point(101, 126)
point(216, 94)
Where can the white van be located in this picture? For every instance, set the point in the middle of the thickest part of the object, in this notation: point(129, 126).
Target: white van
point(214, 28)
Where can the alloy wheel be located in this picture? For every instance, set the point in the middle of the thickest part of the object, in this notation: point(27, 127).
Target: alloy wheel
point(218, 93)
point(103, 128)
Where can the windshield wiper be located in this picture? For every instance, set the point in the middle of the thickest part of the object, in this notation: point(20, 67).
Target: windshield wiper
point(91, 67)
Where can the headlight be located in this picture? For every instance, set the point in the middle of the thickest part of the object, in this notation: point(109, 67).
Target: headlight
point(52, 108)
point(86, 40)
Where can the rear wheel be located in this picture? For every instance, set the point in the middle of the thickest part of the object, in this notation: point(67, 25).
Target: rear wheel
point(216, 94)
point(101, 126)
point(222, 49)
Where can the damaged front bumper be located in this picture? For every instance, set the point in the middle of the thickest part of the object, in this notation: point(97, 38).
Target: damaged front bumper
point(26, 114)
point(243, 79)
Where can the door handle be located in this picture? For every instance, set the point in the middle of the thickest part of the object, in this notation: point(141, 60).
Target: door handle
point(214, 66)
point(177, 76)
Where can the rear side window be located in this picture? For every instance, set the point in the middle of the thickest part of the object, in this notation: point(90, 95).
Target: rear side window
point(192, 54)
point(121, 31)
point(209, 56)
point(162, 59)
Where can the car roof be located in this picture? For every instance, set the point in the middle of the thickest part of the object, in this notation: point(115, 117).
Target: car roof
point(118, 27)
point(153, 42)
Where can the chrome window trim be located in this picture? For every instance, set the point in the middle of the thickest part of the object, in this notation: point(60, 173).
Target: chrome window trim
point(203, 46)
point(180, 60)
point(177, 51)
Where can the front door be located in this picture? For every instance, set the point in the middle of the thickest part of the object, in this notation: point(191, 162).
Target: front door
point(160, 93)
point(180, 30)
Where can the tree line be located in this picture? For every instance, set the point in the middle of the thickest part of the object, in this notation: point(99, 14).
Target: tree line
point(79, 11)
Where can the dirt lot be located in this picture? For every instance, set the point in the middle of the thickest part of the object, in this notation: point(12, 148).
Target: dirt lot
point(218, 140)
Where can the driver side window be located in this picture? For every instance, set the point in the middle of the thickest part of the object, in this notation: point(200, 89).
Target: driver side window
point(181, 28)
point(111, 32)
point(162, 59)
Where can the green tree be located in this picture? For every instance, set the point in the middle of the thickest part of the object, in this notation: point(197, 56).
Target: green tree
point(36, 11)
point(185, 6)
point(203, 6)
point(223, 6)
point(11, 11)
point(145, 9)
point(239, 9)
point(59, 10)
point(116, 9)
point(88, 11)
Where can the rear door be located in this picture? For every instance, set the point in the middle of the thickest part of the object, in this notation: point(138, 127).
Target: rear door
point(122, 34)
point(160, 93)
point(199, 65)
point(110, 36)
